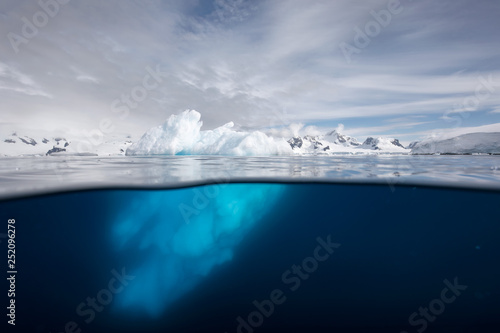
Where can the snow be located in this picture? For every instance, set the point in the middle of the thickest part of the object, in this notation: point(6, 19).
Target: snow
point(17, 144)
point(472, 143)
point(340, 139)
point(385, 144)
point(40, 143)
point(181, 135)
point(336, 143)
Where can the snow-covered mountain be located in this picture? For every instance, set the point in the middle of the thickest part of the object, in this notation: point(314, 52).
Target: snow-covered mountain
point(412, 144)
point(336, 142)
point(182, 134)
point(44, 144)
point(382, 144)
point(472, 143)
point(20, 144)
point(341, 139)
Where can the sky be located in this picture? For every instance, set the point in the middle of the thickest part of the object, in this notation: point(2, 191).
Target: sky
point(406, 69)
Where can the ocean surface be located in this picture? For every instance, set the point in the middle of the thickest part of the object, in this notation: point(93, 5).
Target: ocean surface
point(21, 176)
point(225, 244)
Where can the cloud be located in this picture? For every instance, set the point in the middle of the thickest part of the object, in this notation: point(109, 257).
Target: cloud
point(14, 80)
point(86, 78)
point(445, 133)
point(260, 64)
point(377, 130)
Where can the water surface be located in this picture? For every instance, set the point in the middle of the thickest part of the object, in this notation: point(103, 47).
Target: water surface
point(27, 175)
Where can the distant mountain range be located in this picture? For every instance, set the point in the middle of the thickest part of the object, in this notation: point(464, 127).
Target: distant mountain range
point(471, 143)
point(335, 142)
point(17, 144)
point(330, 143)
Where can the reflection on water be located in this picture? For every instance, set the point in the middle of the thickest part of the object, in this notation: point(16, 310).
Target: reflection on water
point(24, 175)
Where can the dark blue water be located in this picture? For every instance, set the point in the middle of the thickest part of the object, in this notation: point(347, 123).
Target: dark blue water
point(257, 258)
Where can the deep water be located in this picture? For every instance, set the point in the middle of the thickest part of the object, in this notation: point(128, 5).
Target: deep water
point(257, 258)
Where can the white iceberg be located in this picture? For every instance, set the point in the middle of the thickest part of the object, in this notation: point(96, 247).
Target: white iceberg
point(181, 135)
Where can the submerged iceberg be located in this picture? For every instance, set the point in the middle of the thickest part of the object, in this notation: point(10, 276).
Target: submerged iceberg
point(181, 135)
point(174, 239)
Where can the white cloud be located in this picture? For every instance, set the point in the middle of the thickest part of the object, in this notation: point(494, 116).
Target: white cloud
point(445, 133)
point(260, 64)
point(87, 78)
point(14, 80)
point(376, 130)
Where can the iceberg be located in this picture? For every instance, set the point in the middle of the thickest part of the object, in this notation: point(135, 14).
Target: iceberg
point(177, 238)
point(182, 135)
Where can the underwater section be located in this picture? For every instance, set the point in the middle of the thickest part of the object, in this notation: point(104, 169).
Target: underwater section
point(257, 257)
point(182, 235)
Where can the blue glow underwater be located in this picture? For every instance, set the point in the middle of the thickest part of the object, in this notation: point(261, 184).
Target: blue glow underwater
point(181, 235)
point(202, 257)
